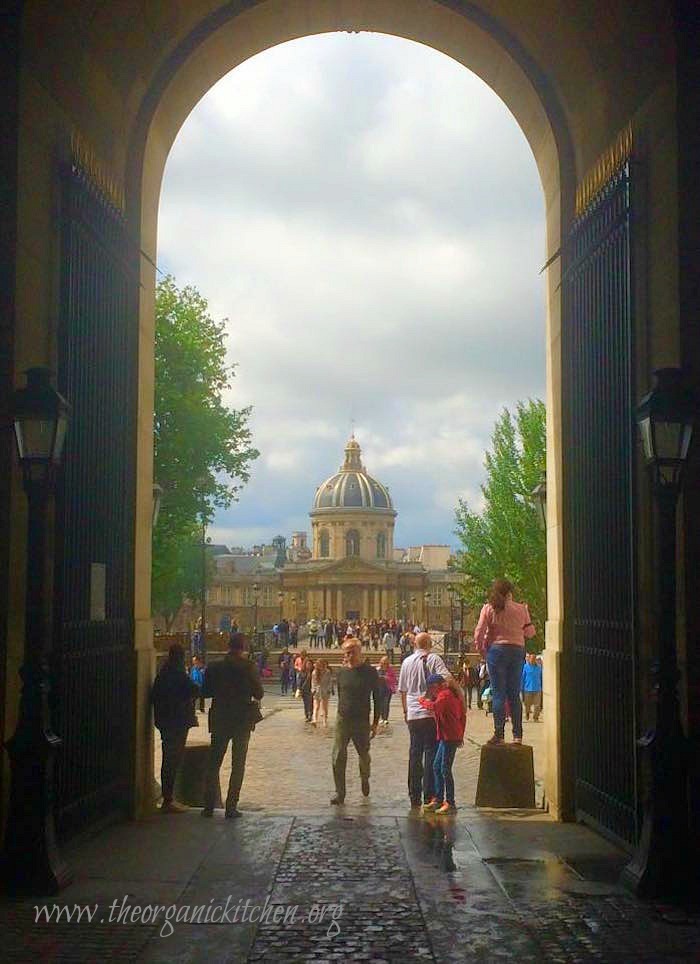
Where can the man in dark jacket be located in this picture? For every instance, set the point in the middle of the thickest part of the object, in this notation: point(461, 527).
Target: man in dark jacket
point(357, 682)
point(173, 705)
point(232, 683)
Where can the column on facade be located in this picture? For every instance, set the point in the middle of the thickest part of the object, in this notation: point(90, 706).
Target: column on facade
point(365, 603)
point(377, 603)
point(382, 601)
point(339, 614)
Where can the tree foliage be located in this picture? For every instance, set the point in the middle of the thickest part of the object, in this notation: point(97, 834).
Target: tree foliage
point(202, 448)
point(505, 539)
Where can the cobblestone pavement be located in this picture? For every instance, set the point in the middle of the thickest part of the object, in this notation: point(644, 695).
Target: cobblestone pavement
point(297, 880)
point(300, 758)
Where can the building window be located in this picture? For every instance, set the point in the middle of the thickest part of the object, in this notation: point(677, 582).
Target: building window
point(381, 546)
point(266, 594)
point(352, 543)
point(437, 596)
point(325, 544)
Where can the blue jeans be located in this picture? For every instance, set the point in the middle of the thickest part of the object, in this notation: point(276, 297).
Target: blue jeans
point(442, 767)
point(505, 665)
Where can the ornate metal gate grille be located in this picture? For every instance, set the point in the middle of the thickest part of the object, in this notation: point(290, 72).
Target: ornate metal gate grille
point(92, 660)
point(599, 509)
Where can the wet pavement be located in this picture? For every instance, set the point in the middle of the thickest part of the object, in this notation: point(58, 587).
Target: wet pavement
point(296, 880)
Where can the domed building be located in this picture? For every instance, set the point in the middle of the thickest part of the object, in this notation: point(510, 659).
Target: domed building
point(351, 569)
point(352, 514)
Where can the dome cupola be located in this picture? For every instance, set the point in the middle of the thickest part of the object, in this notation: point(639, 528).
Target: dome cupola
point(352, 487)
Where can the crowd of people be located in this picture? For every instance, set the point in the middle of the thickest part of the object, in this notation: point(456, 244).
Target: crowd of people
point(434, 700)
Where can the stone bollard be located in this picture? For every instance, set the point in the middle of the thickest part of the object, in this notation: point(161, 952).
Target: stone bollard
point(189, 784)
point(506, 777)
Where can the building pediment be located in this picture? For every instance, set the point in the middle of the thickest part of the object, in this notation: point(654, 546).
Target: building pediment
point(354, 565)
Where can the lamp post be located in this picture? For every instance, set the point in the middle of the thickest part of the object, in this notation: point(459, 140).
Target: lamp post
point(157, 499)
point(413, 610)
point(31, 861)
point(280, 599)
point(661, 864)
point(203, 633)
point(451, 594)
point(426, 598)
point(538, 497)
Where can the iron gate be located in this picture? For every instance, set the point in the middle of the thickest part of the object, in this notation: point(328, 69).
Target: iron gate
point(92, 695)
point(599, 509)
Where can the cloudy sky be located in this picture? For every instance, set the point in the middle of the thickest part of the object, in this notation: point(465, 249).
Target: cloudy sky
point(369, 217)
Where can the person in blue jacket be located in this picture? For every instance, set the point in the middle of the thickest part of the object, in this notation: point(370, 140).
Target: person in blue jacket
point(531, 687)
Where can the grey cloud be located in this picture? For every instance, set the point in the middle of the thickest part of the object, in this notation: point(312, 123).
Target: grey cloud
point(370, 220)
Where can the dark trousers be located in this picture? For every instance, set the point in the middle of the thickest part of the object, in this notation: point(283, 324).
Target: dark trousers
point(238, 737)
point(345, 731)
point(505, 663)
point(174, 740)
point(421, 756)
point(468, 690)
point(386, 703)
point(308, 703)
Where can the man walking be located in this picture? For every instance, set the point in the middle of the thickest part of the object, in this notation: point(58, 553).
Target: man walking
point(232, 683)
point(173, 699)
point(413, 677)
point(388, 642)
point(357, 682)
point(531, 687)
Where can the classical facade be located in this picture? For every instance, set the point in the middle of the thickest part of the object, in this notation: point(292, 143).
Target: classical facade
point(352, 571)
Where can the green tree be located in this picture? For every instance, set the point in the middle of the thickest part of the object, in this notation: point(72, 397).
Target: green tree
point(505, 539)
point(202, 448)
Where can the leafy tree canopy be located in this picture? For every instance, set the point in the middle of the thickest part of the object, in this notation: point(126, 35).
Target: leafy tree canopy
point(505, 539)
point(202, 447)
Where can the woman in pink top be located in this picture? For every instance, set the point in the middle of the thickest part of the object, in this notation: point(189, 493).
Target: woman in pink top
point(500, 634)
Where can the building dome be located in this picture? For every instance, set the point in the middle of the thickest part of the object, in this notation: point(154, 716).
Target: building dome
point(351, 487)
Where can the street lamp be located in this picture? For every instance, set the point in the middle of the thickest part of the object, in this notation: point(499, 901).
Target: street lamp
point(452, 595)
point(661, 864)
point(157, 499)
point(31, 861)
point(426, 597)
point(538, 497)
point(203, 633)
point(280, 599)
point(413, 610)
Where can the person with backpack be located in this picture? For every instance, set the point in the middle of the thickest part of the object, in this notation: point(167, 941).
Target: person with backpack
point(413, 676)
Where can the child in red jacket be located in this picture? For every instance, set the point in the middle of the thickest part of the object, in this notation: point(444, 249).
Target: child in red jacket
point(450, 719)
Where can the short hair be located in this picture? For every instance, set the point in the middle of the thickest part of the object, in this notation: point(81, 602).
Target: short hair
point(352, 643)
point(175, 651)
point(236, 642)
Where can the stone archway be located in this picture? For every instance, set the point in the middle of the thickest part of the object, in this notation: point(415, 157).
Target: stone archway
point(120, 78)
point(474, 40)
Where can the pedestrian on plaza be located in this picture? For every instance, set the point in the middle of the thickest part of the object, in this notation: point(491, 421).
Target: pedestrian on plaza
point(471, 683)
point(413, 676)
point(450, 722)
point(304, 685)
point(389, 681)
point(234, 685)
point(531, 687)
point(312, 627)
point(173, 697)
point(500, 635)
point(328, 633)
point(357, 683)
point(197, 671)
point(389, 641)
point(298, 667)
point(285, 665)
point(321, 685)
